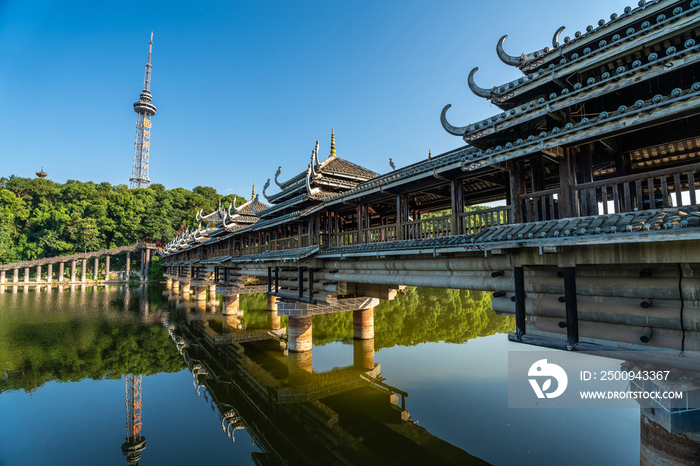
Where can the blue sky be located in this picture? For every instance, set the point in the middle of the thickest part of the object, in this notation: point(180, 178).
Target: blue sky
point(242, 87)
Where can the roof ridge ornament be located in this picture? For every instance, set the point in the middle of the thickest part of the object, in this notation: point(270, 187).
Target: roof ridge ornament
point(555, 38)
point(255, 202)
point(391, 162)
point(454, 130)
point(312, 164)
point(308, 179)
point(505, 58)
point(478, 91)
point(316, 153)
point(333, 154)
point(267, 185)
point(277, 174)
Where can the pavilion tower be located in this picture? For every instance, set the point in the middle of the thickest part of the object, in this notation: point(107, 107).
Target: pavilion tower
point(145, 109)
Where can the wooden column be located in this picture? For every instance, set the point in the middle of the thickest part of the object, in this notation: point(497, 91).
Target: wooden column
point(571, 307)
point(519, 277)
point(457, 206)
point(566, 179)
point(516, 188)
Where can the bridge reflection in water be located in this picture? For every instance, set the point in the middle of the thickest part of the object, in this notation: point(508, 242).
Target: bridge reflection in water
point(348, 415)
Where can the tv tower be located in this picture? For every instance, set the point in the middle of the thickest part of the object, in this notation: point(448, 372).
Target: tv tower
point(145, 109)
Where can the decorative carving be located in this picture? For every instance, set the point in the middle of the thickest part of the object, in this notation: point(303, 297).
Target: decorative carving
point(555, 38)
point(479, 91)
point(505, 58)
point(277, 174)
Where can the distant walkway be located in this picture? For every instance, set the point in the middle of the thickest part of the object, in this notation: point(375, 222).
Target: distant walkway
point(144, 248)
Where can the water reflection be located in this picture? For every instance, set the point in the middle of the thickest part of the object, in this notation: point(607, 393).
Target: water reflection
point(294, 410)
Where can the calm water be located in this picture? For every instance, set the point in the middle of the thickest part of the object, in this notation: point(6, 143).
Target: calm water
point(436, 391)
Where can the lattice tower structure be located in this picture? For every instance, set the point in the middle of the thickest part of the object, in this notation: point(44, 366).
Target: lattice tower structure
point(135, 443)
point(145, 109)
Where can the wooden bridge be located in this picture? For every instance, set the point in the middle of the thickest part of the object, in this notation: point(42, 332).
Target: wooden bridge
point(39, 278)
point(590, 169)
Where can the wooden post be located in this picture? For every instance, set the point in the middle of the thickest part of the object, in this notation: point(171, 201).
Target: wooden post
point(515, 187)
point(571, 307)
point(519, 276)
point(566, 199)
point(457, 206)
point(399, 218)
point(311, 283)
point(277, 279)
point(269, 279)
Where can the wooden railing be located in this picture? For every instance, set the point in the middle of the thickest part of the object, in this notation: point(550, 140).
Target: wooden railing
point(345, 238)
point(380, 234)
point(540, 205)
point(428, 228)
point(477, 220)
point(652, 190)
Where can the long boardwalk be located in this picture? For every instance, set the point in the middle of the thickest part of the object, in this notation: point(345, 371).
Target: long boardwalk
point(26, 266)
point(594, 157)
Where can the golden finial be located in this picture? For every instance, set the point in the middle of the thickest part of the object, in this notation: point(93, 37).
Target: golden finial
point(253, 197)
point(332, 142)
point(430, 154)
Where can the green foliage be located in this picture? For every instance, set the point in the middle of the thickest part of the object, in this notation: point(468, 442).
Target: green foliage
point(72, 349)
point(422, 315)
point(155, 272)
point(40, 218)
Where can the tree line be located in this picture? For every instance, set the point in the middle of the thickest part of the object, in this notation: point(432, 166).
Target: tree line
point(41, 218)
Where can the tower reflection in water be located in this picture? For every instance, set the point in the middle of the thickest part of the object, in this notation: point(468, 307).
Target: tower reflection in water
point(348, 415)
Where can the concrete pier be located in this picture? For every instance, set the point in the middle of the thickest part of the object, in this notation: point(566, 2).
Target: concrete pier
point(168, 283)
point(128, 264)
point(61, 271)
point(72, 271)
point(2, 276)
point(273, 320)
point(299, 334)
point(230, 305)
point(107, 260)
point(176, 286)
point(38, 274)
point(83, 271)
point(363, 324)
point(230, 323)
point(96, 269)
point(49, 273)
point(272, 303)
point(201, 293)
point(212, 292)
point(300, 367)
point(26, 275)
point(15, 276)
point(185, 286)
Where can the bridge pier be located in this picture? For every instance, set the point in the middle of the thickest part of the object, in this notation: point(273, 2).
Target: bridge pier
point(147, 263)
point(363, 324)
point(168, 283)
point(230, 322)
point(107, 264)
point(26, 275)
point(176, 286)
point(212, 292)
point(230, 305)
point(128, 264)
point(363, 354)
point(96, 272)
point(61, 271)
point(15, 276)
point(83, 271)
point(2, 276)
point(273, 320)
point(38, 274)
point(72, 271)
point(185, 288)
point(272, 303)
point(49, 274)
point(201, 293)
point(299, 334)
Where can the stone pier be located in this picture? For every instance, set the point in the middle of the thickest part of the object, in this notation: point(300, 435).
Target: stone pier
point(83, 271)
point(272, 303)
point(96, 269)
point(230, 323)
point(273, 320)
point(300, 367)
point(15, 276)
point(61, 271)
point(49, 274)
point(212, 292)
point(200, 293)
point(38, 274)
point(299, 334)
point(176, 286)
point(168, 283)
point(128, 264)
point(107, 260)
point(2, 276)
point(72, 271)
point(230, 305)
point(363, 324)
